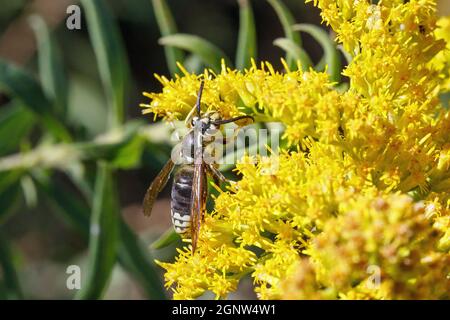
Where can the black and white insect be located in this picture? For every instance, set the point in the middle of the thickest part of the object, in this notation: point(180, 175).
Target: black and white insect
point(189, 188)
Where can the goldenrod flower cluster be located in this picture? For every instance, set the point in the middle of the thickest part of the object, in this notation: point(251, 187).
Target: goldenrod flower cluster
point(361, 208)
point(442, 59)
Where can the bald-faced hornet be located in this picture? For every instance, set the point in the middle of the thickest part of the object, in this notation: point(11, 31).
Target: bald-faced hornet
point(189, 188)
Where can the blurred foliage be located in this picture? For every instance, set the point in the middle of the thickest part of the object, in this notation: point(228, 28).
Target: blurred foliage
point(67, 138)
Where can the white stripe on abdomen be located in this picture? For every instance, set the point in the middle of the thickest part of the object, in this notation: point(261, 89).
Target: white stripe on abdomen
point(181, 223)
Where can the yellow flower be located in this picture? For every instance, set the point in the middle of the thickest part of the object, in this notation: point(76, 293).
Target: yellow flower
point(217, 265)
point(378, 247)
point(262, 92)
point(391, 233)
point(364, 180)
point(442, 59)
point(178, 96)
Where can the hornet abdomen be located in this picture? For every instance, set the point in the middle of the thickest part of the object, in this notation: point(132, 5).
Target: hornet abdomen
point(181, 198)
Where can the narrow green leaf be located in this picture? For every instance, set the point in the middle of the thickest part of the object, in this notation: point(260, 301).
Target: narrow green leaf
point(29, 191)
point(287, 20)
point(167, 27)
point(9, 201)
point(10, 278)
point(15, 123)
point(46, 155)
point(110, 54)
point(112, 146)
point(331, 53)
point(208, 52)
point(66, 203)
point(348, 57)
point(51, 69)
point(132, 254)
point(295, 51)
point(136, 258)
point(129, 155)
point(122, 147)
point(19, 84)
point(8, 178)
point(193, 63)
point(320, 66)
point(445, 99)
point(246, 47)
point(104, 233)
point(342, 87)
point(166, 239)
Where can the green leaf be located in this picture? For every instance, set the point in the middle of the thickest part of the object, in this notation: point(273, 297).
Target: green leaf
point(29, 191)
point(246, 47)
point(19, 84)
point(112, 146)
point(320, 66)
point(208, 52)
point(342, 87)
point(193, 63)
point(445, 99)
point(287, 20)
point(7, 178)
point(10, 279)
point(65, 202)
point(132, 254)
point(129, 155)
point(104, 233)
point(295, 51)
point(16, 123)
point(331, 53)
point(167, 27)
point(136, 258)
point(110, 54)
point(121, 147)
point(9, 201)
point(347, 56)
point(51, 72)
point(46, 155)
point(166, 239)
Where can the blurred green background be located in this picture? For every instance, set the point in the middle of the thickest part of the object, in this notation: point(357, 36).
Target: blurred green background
point(76, 155)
